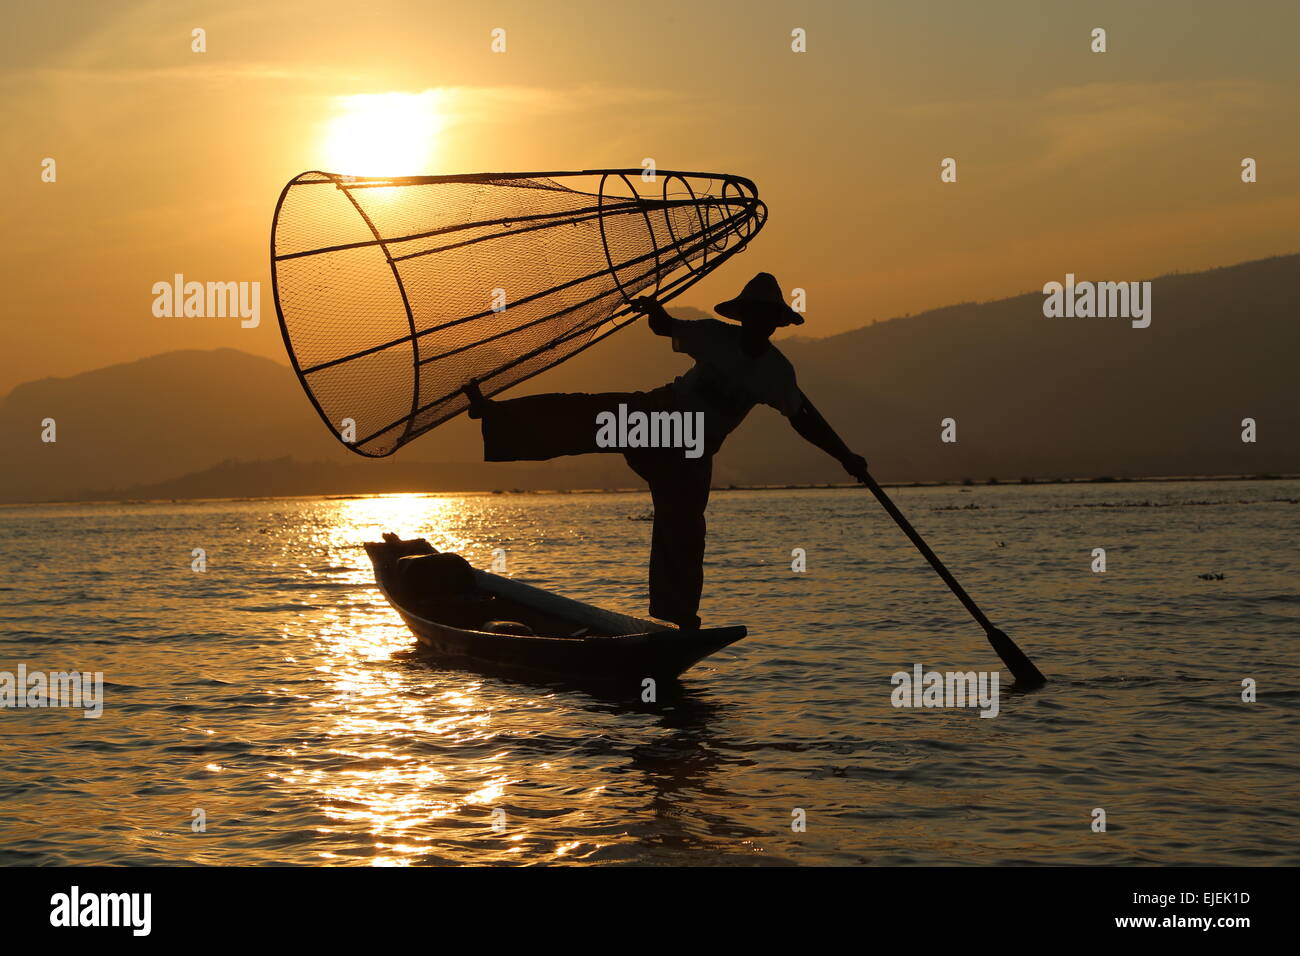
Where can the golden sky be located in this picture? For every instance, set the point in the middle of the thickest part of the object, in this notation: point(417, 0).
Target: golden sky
point(1120, 165)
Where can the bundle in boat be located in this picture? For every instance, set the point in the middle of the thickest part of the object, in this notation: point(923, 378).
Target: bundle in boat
point(394, 293)
point(479, 619)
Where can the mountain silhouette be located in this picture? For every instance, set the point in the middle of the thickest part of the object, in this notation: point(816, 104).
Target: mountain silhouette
point(1031, 397)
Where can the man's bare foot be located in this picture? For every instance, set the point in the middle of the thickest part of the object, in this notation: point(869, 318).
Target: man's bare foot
point(691, 623)
point(476, 400)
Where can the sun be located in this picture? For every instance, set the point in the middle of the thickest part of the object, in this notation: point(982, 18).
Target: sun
point(384, 134)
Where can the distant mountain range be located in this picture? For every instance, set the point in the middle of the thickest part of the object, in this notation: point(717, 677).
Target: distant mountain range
point(1032, 397)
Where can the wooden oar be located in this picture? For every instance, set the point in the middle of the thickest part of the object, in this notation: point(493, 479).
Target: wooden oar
point(1021, 667)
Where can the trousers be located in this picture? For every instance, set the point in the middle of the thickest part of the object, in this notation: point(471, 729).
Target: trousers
point(541, 427)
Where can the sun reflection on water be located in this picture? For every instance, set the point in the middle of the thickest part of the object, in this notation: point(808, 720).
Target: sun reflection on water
point(409, 761)
point(408, 515)
point(382, 705)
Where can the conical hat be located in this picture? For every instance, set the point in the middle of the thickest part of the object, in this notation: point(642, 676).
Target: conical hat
point(761, 298)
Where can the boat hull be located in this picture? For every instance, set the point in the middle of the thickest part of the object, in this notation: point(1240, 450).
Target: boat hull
point(642, 650)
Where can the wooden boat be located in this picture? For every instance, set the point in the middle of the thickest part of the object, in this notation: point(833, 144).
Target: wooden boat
point(474, 617)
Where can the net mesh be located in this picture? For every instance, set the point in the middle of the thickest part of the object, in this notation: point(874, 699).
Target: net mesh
point(393, 293)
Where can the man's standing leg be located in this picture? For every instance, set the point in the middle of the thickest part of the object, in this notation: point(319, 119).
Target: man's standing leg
point(679, 488)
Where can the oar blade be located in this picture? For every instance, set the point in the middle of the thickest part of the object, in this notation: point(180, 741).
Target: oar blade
point(1021, 667)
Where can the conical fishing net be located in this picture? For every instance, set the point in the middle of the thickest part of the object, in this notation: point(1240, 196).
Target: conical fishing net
point(394, 293)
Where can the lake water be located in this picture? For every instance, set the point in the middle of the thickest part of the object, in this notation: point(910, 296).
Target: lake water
point(279, 694)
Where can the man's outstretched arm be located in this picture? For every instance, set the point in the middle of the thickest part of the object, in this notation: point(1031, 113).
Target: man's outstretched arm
point(808, 422)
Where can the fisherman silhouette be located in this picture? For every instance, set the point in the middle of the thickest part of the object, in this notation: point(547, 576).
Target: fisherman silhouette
point(736, 367)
